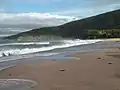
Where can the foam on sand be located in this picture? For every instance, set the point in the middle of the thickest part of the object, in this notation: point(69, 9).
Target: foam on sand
point(16, 84)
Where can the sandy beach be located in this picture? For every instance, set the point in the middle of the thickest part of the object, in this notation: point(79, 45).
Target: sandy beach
point(95, 70)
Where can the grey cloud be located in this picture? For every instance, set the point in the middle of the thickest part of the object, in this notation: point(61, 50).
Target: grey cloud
point(32, 20)
point(26, 21)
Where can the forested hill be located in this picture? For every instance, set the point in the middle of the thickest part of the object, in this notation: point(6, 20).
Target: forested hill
point(80, 28)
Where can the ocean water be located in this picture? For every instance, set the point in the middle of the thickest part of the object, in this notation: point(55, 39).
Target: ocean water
point(13, 49)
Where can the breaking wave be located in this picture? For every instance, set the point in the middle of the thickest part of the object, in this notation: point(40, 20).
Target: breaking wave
point(50, 46)
point(27, 43)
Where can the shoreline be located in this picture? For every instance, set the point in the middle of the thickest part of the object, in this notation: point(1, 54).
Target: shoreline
point(92, 70)
point(96, 70)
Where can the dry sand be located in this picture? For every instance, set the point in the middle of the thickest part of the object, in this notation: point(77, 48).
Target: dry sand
point(99, 70)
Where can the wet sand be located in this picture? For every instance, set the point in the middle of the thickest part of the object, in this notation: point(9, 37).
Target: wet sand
point(96, 70)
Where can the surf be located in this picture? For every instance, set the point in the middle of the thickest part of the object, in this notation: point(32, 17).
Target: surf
point(50, 46)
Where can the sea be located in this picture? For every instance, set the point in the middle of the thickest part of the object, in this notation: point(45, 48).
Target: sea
point(20, 49)
point(12, 51)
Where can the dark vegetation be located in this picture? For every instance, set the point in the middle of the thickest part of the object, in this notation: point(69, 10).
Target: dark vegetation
point(107, 33)
point(106, 25)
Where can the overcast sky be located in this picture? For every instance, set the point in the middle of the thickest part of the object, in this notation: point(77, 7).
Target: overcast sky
point(36, 13)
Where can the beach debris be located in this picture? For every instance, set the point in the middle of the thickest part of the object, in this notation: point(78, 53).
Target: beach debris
point(110, 63)
point(62, 70)
point(10, 74)
point(99, 58)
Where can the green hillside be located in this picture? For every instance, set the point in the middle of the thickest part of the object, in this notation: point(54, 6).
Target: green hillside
point(105, 25)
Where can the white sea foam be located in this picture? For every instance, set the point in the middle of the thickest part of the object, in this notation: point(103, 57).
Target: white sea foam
point(27, 43)
point(16, 83)
point(17, 80)
point(65, 44)
point(12, 58)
